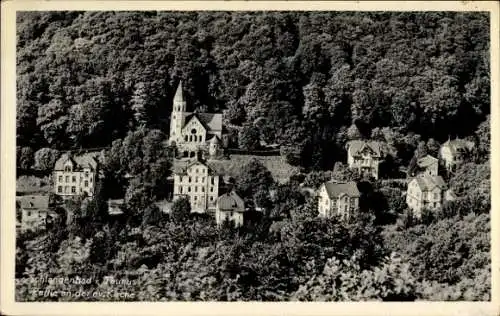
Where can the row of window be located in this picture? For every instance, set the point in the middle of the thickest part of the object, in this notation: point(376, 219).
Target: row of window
point(67, 189)
point(187, 189)
point(73, 178)
point(194, 198)
point(189, 179)
point(193, 138)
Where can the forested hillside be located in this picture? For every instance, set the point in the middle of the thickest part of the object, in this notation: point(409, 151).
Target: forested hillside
point(295, 78)
point(304, 82)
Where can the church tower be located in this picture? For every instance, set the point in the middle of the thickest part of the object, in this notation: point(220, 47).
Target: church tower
point(178, 115)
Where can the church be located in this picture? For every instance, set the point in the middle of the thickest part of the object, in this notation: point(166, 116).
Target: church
point(193, 133)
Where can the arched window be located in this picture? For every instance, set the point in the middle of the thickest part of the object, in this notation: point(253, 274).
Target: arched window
point(186, 138)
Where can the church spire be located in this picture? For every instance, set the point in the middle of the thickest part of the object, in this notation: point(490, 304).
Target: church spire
point(179, 97)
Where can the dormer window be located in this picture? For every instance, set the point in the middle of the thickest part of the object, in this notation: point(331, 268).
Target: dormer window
point(67, 168)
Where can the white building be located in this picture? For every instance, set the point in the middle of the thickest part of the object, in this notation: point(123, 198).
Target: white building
point(364, 156)
point(425, 191)
point(338, 199)
point(230, 207)
point(75, 175)
point(197, 181)
point(192, 132)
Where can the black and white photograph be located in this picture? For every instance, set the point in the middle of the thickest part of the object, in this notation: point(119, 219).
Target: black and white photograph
point(252, 156)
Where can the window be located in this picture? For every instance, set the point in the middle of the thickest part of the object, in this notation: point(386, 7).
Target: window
point(189, 179)
point(186, 138)
point(60, 178)
point(73, 179)
point(180, 189)
point(66, 189)
point(90, 179)
point(189, 189)
point(86, 183)
point(211, 189)
point(211, 198)
point(203, 179)
point(196, 179)
point(67, 168)
point(86, 173)
point(73, 189)
point(193, 131)
point(67, 179)
point(195, 197)
point(196, 170)
point(203, 189)
point(59, 189)
point(436, 196)
point(212, 180)
point(29, 213)
point(195, 188)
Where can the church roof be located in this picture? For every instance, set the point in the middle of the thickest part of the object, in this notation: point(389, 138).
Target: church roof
point(179, 96)
point(211, 121)
point(335, 189)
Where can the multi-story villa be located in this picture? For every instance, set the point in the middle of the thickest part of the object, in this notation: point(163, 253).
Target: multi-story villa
point(338, 199)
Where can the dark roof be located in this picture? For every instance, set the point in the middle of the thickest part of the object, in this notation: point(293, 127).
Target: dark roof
point(356, 146)
point(180, 166)
point(335, 189)
point(33, 201)
point(211, 121)
point(427, 182)
point(81, 161)
point(230, 201)
point(426, 161)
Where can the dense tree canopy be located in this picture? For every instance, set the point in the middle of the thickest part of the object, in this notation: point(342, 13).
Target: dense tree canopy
point(299, 79)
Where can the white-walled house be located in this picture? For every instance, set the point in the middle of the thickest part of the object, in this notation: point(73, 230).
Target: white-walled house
point(198, 182)
point(75, 175)
point(230, 206)
point(338, 199)
point(425, 191)
point(365, 156)
point(454, 152)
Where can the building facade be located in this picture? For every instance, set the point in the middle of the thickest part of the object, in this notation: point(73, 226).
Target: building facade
point(193, 132)
point(454, 152)
point(34, 212)
point(365, 157)
point(230, 207)
point(338, 199)
point(425, 191)
point(75, 175)
point(198, 182)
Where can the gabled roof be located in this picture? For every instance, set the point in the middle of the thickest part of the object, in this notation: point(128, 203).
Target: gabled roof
point(211, 121)
point(336, 189)
point(458, 144)
point(427, 183)
point(40, 202)
point(356, 146)
point(81, 161)
point(180, 166)
point(426, 161)
point(230, 201)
